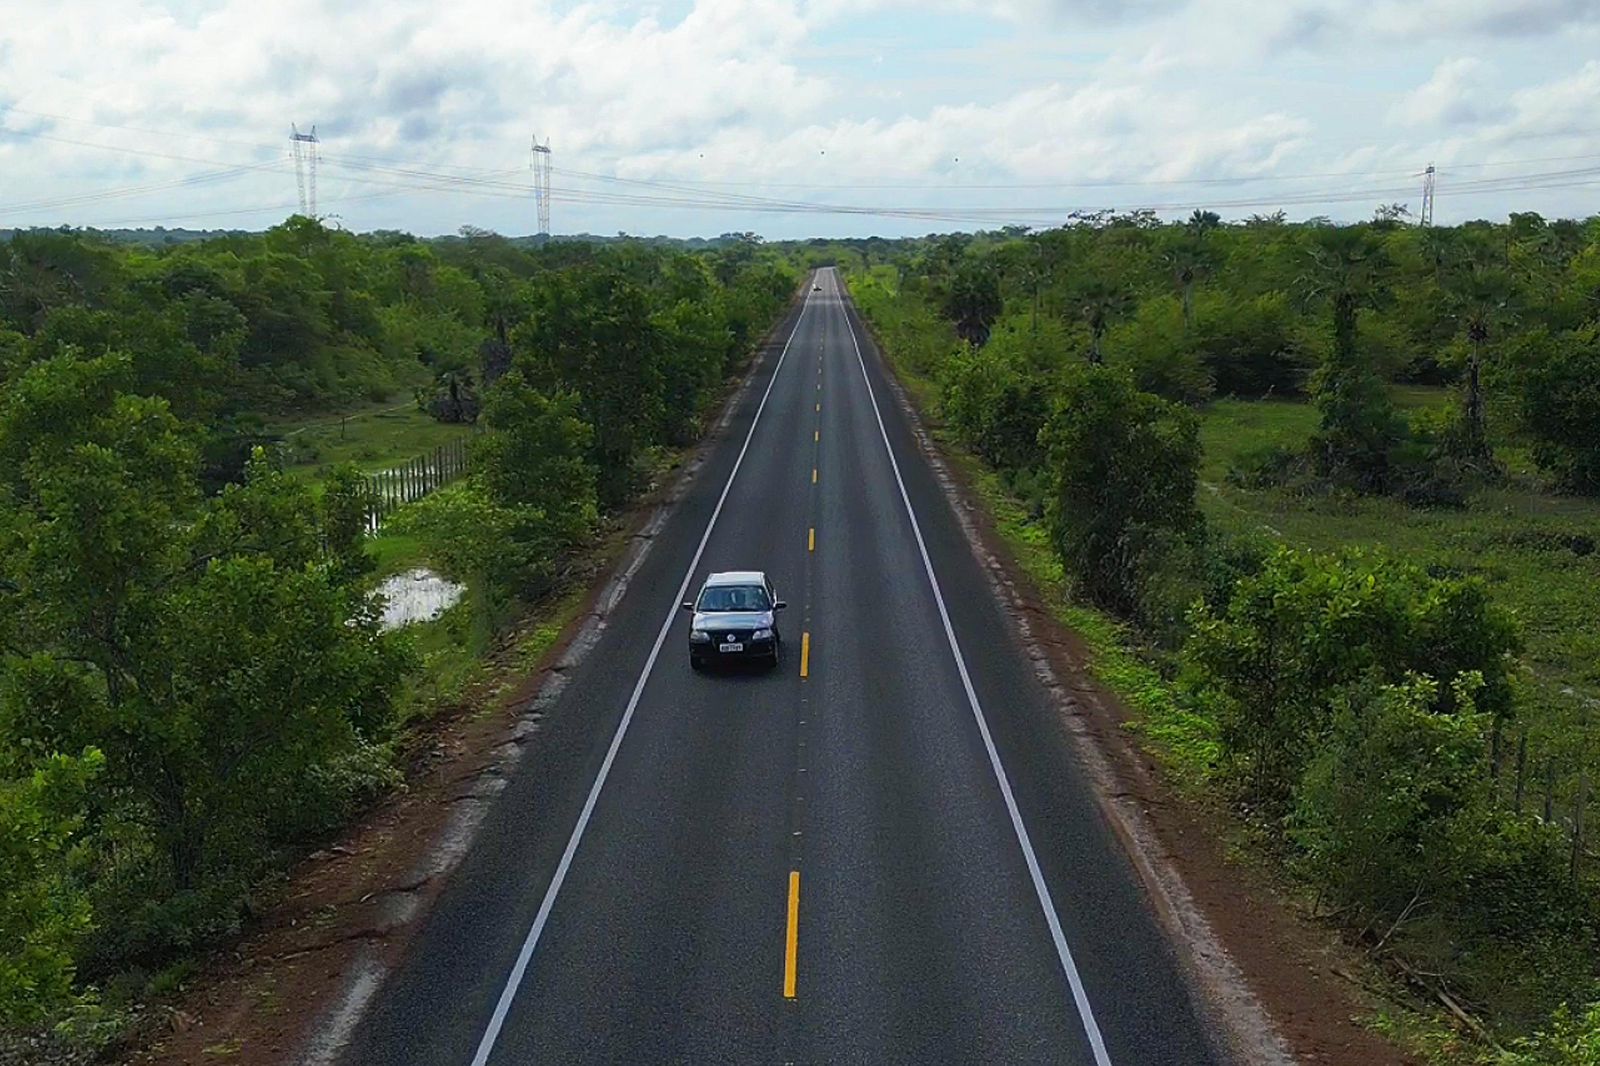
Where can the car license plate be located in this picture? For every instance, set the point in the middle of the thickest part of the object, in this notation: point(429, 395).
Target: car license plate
point(735, 646)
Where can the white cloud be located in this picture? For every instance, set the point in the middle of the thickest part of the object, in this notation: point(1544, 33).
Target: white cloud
point(1453, 96)
point(768, 91)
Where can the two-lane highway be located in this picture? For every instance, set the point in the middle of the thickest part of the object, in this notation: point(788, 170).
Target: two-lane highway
point(880, 851)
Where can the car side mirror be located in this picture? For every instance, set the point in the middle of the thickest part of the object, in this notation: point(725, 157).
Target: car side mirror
point(780, 605)
point(688, 605)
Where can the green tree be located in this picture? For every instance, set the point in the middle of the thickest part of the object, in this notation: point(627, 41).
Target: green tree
point(1100, 303)
point(1482, 297)
point(529, 503)
point(1359, 426)
point(1561, 410)
point(997, 405)
point(596, 336)
point(212, 650)
point(1124, 466)
point(973, 302)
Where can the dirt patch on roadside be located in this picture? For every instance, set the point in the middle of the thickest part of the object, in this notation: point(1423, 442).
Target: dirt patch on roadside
point(293, 986)
point(1273, 980)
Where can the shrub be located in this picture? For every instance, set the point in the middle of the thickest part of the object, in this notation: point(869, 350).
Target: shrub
point(1160, 352)
point(1267, 466)
point(1124, 465)
point(1269, 666)
point(1560, 400)
point(1374, 811)
point(43, 913)
point(1250, 347)
point(1569, 1040)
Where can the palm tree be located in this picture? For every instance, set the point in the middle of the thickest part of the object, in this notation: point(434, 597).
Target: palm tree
point(1349, 265)
point(1100, 303)
point(1187, 260)
point(1482, 295)
point(1202, 222)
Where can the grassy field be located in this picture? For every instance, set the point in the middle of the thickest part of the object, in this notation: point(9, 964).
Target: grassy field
point(1535, 551)
point(373, 438)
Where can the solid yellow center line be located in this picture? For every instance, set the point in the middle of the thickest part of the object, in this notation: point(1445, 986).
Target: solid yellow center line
point(791, 947)
point(805, 654)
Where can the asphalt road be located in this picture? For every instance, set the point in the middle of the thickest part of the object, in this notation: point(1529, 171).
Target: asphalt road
point(879, 852)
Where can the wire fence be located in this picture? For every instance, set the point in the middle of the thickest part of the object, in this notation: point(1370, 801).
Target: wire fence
point(412, 480)
point(1555, 788)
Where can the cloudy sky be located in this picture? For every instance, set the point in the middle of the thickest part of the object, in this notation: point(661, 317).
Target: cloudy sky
point(791, 118)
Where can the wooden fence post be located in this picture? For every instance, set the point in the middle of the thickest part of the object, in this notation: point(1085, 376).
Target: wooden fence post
point(1522, 765)
point(1577, 821)
point(1494, 763)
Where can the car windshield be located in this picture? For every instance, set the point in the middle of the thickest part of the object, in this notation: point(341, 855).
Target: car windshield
point(734, 598)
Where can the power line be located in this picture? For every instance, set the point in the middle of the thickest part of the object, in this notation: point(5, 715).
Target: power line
point(616, 191)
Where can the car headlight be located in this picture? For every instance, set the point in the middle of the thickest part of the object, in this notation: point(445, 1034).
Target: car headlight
point(698, 636)
point(761, 634)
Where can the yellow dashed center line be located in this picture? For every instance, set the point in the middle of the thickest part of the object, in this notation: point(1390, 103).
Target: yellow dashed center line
point(791, 949)
point(805, 654)
point(813, 475)
point(816, 435)
point(811, 541)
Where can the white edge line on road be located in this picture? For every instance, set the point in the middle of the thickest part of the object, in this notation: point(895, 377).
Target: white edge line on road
point(509, 993)
point(1090, 1028)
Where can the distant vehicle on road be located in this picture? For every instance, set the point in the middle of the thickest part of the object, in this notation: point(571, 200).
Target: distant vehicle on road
point(735, 620)
point(816, 288)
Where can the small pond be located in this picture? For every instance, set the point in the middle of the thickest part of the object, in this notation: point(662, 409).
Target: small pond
point(418, 595)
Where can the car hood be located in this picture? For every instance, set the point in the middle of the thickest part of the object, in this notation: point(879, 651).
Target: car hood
point(711, 621)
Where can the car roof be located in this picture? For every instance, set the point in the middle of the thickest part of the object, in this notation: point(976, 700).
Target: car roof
point(737, 577)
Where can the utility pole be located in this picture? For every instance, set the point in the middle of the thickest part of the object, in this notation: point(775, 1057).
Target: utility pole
point(1427, 196)
point(305, 160)
point(541, 182)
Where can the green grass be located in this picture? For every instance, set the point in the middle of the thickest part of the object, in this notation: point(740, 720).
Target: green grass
point(374, 438)
point(394, 552)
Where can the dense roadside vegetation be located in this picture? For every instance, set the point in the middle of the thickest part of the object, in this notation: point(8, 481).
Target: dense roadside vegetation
point(1324, 500)
point(194, 685)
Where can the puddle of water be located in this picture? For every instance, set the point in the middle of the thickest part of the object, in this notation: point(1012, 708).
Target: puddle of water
point(418, 595)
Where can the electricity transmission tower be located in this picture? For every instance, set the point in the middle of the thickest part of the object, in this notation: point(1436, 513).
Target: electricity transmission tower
point(305, 167)
point(1427, 196)
point(541, 182)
